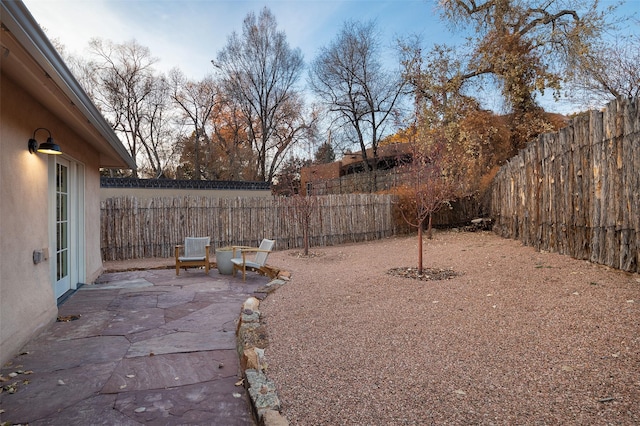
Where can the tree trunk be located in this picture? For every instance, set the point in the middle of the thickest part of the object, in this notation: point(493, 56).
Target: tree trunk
point(305, 237)
point(420, 249)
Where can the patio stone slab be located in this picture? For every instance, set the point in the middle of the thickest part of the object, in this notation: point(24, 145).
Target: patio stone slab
point(46, 393)
point(175, 297)
point(179, 311)
point(210, 403)
point(134, 321)
point(171, 370)
point(148, 334)
point(90, 324)
point(206, 286)
point(96, 410)
point(46, 356)
point(210, 317)
point(183, 342)
point(122, 277)
point(119, 284)
point(131, 301)
point(226, 297)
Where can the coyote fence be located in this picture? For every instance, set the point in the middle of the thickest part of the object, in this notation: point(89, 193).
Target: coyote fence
point(133, 228)
point(577, 191)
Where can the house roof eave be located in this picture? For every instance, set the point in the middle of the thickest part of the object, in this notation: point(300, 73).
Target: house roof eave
point(77, 109)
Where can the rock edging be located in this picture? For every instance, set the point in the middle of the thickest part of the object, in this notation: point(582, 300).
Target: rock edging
point(251, 341)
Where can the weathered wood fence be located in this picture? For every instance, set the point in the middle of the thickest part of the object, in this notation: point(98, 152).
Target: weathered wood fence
point(577, 191)
point(133, 228)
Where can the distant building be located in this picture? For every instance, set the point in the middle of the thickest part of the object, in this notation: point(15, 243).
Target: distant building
point(349, 174)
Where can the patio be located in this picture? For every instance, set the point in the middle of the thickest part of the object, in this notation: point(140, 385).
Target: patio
point(137, 347)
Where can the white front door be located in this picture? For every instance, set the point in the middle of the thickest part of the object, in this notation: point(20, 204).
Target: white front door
point(62, 228)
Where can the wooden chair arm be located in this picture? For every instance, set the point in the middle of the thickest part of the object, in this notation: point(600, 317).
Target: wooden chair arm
point(241, 248)
point(255, 250)
point(252, 250)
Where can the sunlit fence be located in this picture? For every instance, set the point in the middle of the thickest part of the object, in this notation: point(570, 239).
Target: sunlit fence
point(133, 228)
point(577, 191)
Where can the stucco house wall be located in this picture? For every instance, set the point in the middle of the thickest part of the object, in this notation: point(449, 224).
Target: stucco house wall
point(38, 91)
point(26, 296)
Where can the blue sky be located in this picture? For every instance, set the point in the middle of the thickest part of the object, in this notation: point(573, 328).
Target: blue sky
point(188, 33)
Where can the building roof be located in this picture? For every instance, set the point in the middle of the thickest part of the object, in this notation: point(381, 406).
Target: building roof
point(29, 59)
point(392, 150)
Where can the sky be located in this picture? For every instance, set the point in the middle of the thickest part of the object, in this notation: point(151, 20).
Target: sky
point(188, 34)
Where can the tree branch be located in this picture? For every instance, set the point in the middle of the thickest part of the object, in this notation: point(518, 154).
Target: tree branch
point(546, 18)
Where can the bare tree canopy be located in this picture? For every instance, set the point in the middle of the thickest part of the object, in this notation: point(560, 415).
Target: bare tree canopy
point(132, 97)
point(610, 71)
point(349, 78)
point(426, 186)
point(196, 101)
point(259, 72)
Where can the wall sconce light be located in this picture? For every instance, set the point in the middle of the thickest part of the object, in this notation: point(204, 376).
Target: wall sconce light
point(48, 147)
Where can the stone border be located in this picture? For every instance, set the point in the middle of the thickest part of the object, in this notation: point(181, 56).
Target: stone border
point(251, 342)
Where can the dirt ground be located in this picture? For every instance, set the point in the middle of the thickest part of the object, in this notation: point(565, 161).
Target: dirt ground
point(516, 337)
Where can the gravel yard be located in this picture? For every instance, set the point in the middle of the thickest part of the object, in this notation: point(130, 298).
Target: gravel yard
point(517, 337)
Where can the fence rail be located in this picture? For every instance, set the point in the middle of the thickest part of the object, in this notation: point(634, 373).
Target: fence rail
point(133, 228)
point(577, 191)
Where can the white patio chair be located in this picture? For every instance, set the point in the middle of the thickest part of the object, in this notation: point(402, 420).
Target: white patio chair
point(243, 262)
point(196, 253)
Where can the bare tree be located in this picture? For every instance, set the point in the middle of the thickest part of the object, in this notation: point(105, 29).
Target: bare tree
point(196, 101)
point(349, 78)
point(259, 72)
point(610, 71)
point(159, 132)
point(301, 209)
point(426, 188)
point(126, 90)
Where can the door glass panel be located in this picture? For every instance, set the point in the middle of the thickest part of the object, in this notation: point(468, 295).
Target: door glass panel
point(62, 212)
point(62, 221)
point(64, 233)
point(61, 179)
point(58, 263)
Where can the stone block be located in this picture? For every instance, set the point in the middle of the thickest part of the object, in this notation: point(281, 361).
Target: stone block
point(251, 303)
point(273, 418)
point(250, 360)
